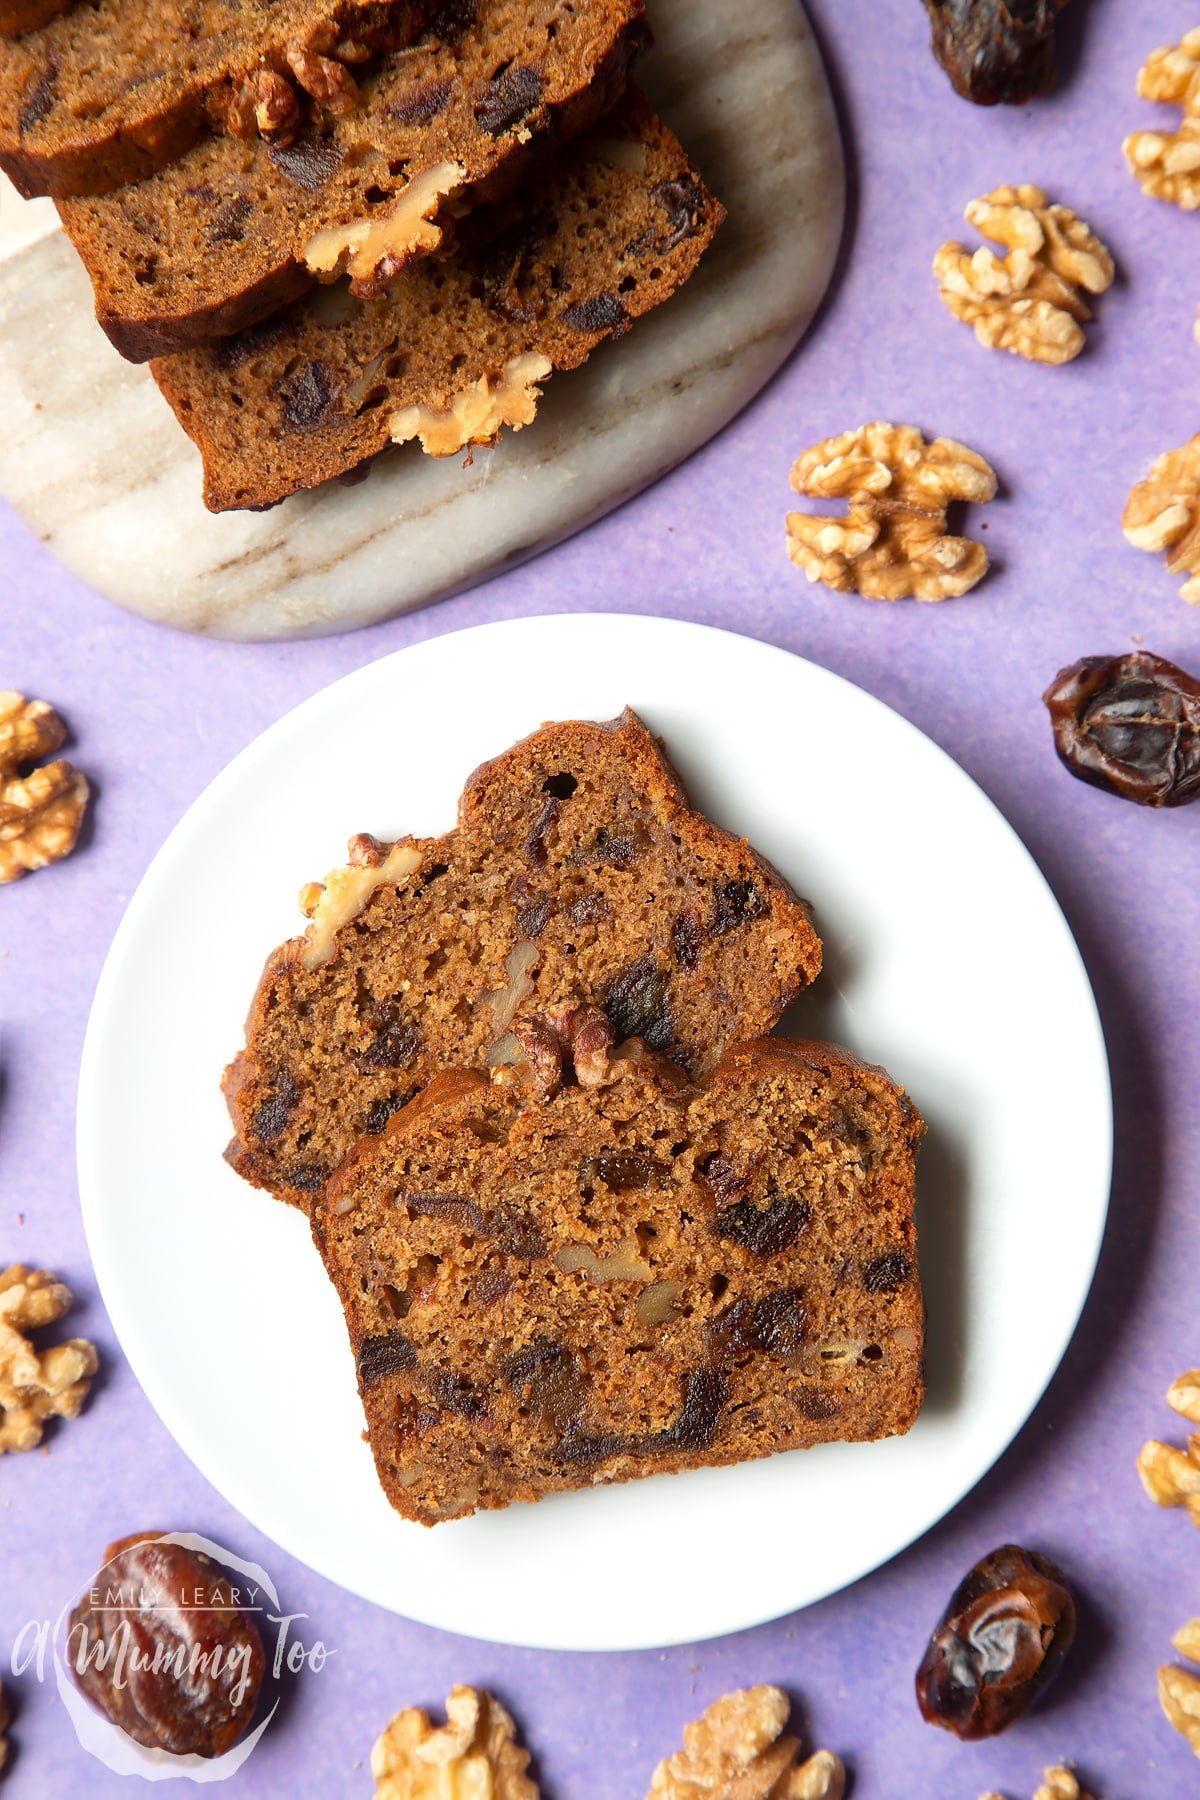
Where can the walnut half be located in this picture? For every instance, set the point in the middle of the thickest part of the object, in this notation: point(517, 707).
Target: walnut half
point(739, 1750)
point(571, 1031)
point(1030, 301)
point(1058, 1783)
point(1171, 1477)
point(892, 543)
point(36, 1385)
point(41, 810)
point(475, 1753)
point(1167, 163)
point(1163, 514)
point(1179, 1689)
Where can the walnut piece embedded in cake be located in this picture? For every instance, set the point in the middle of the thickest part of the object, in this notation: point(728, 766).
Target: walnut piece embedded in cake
point(36, 1385)
point(41, 810)
point(1163, 514)
point(373, 251)
point(344, 892)
point(319, 71)
point(1167, 163)
point(738, 1750)
point(570, 1034)
point(892, 543)
point(1029, 301)
point(480, 412)
point(475, 1753)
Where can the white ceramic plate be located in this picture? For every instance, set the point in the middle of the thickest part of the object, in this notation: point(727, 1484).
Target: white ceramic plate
point(922, 891)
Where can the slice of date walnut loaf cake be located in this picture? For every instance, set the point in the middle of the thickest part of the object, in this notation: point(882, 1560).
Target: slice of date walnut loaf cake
point(552, 1286)
point(109, 91)
point(457, 348)
point(577, 869)
point(238, 227)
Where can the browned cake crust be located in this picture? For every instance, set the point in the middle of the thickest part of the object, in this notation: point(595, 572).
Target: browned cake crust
point(577, 870)
point(630, 1278)
point(26, 15)
point(110, 91)
point(458, 348)
point(235, 229)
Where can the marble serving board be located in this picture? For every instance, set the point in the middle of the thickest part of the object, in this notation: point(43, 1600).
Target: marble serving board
point(93, 459)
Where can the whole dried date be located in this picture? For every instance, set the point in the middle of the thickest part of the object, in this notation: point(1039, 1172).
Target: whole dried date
point(998, 1644)
point(995, 51)
point(1131, 725)
point(160, 1644)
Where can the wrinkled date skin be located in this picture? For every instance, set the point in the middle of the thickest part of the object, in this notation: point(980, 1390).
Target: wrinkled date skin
point(995, 51)
point(159, 1644)
point(1130, 725)
point(999, 1643)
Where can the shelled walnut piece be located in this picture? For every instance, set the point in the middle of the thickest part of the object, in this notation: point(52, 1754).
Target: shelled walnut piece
point(1163, 514)
point(1183, 1396)
point(474, 1754)
point(36, 1385)
point(40, 811)
point(1167, 163)
point(1171, 1476)
point(1179, 1689)
point(1029, 301)
point(892, 542)
point(1058, 1783)
point(739, 1750)
point(1179, 1697)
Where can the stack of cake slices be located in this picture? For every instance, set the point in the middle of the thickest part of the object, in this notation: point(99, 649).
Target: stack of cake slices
point(587, 1219)
point(335, 225)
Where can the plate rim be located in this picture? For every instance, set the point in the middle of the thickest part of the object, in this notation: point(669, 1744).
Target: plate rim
point(157, 1391)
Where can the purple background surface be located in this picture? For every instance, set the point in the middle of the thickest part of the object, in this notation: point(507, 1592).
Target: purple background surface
point(156, 716)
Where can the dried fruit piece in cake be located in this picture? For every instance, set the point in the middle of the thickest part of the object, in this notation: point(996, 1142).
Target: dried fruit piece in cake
point(234, 230)
point(494, 1254)
point(110, 92)
point(460, 345)
point(577, 870)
